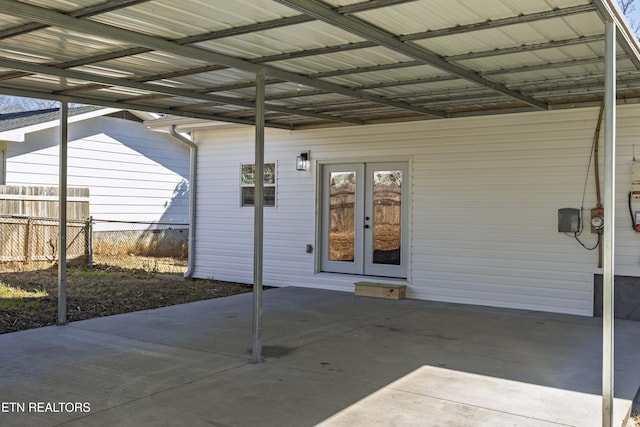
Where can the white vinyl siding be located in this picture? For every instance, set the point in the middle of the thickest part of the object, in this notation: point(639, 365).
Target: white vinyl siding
point(484, 198)
point(133, 174)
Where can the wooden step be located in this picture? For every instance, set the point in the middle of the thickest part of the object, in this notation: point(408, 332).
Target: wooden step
point(381, 290)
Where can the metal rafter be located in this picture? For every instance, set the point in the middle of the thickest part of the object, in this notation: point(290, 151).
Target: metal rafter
point(123, 105)
point(156, 43)
point(229, 32)
point(392, 66)
point(526, 48)
point(97, 9)
point(208, 68)
point(431, 98)
point(369, 32)
point(357, 7)
point(495, 23)
point(523, 18)
point(405, 64)
point(110, 81)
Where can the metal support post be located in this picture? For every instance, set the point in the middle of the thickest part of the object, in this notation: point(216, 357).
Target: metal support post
point(258, 224)
point(609, 225)
point(62, 216)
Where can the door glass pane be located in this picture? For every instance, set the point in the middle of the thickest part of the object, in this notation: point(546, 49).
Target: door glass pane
point(387, 230)
point(342, 196)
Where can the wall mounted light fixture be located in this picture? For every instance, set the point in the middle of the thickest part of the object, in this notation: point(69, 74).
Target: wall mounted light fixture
point(303, 162)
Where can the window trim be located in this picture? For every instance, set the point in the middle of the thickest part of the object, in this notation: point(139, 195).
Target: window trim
point(273, 185)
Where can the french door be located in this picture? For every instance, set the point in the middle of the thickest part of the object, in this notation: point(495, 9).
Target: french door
point(364, 219)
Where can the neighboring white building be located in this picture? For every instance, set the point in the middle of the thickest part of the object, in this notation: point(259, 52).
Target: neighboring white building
point(479, 207)
point(133, 174)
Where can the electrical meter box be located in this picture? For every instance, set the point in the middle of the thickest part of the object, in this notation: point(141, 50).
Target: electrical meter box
point(634, 195)
point(568, 220)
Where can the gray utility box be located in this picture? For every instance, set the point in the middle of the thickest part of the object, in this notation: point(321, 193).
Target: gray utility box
point(568, 220)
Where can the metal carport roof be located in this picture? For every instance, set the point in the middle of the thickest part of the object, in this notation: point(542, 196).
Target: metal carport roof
point(301, 63)
point(326, 63)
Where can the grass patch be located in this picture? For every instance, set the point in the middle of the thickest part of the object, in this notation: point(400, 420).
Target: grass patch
point(28, 299)
point(10, 292)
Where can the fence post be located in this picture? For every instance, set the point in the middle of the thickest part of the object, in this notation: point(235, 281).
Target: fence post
point(89, 240)
point(27, 242)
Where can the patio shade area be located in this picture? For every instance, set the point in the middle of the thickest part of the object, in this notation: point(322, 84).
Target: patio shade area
point(331, 359)
point(295, 64)
point(326, 63)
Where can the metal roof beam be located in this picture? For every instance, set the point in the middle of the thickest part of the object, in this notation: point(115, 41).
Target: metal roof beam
point(103, 30)
point(394, 83)
point(512, 20)
point(526, 48)
point(79, 75)
point(205, 69)
point(229, 32)
point(354, 8)
point(322, 74)
point(357, 7)
point(251, 84)
point(370, 5)
point(80, 13)
point(286, 21)
point(198, 70)
point(546, 66)
point(123, 105)
point(369, 32)
point(392, 66)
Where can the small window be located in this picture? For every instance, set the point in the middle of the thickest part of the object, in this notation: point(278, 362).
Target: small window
point(248, 184)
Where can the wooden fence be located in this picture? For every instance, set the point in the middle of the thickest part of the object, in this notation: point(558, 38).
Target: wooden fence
point(42, 202)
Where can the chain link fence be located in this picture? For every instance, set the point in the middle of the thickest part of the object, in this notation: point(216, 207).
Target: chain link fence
point(157, 247)
point(29, 243)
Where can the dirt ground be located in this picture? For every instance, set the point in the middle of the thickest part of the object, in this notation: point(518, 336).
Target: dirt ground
point(28, 299)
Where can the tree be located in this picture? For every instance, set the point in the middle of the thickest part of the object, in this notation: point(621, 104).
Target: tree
point(628, 7)
point(14, 104)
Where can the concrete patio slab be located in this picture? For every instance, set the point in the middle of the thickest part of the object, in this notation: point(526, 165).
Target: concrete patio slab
point(331, 359)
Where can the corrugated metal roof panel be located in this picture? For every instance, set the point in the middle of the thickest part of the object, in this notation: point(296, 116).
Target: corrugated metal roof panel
point(160, 17)
point(416, 59)
point(423, 15)
point(270, 42)
point(55, 44)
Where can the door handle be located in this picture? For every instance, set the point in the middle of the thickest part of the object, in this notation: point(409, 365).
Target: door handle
point(366, 226)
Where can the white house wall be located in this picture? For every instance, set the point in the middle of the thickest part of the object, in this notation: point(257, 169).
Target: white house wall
point(133, 174)
point(485, 192)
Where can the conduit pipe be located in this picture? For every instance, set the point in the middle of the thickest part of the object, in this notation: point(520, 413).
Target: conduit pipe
point(193, 156)
point(596, 171)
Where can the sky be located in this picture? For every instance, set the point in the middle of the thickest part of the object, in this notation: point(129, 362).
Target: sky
point(635, 14)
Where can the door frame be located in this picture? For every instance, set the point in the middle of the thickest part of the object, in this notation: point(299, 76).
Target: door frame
point(321, 240)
